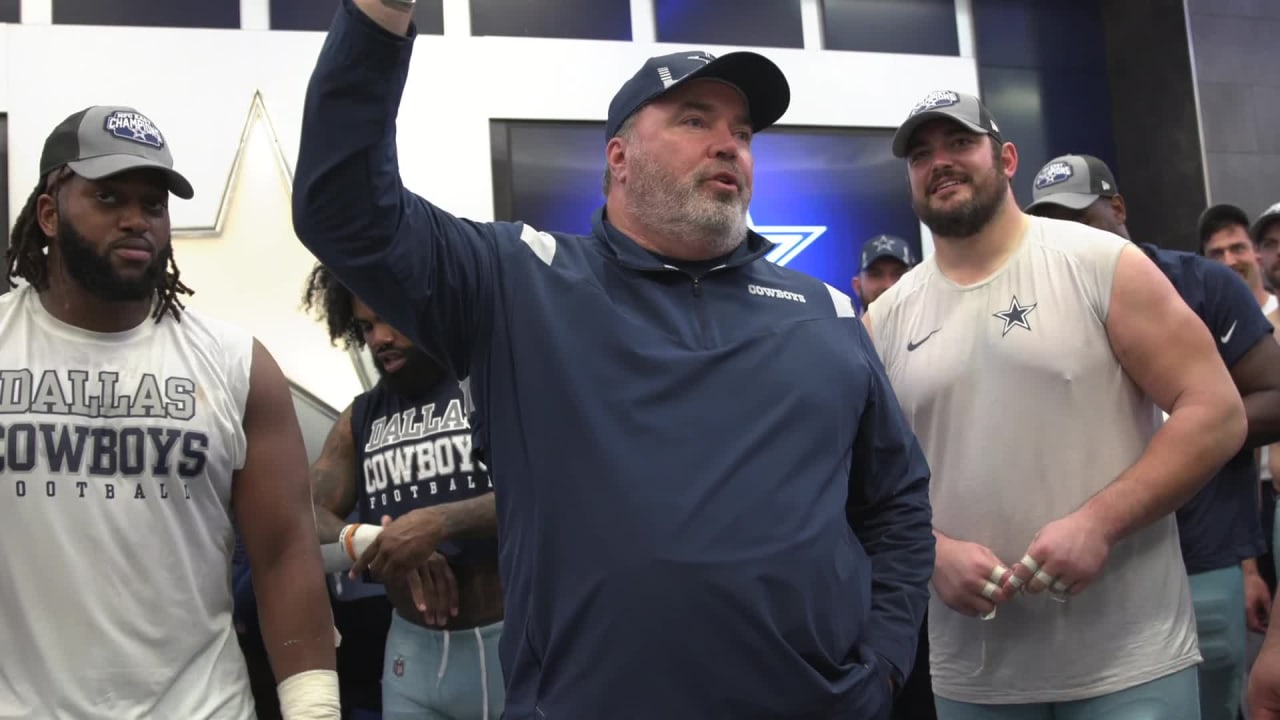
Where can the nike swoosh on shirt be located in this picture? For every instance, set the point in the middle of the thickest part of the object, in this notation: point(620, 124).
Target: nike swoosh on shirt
point(913, 345)
point(1230, 331)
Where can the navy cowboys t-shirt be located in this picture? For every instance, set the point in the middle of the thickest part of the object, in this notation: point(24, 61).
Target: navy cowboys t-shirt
point(414, 452)
point(1221, 525)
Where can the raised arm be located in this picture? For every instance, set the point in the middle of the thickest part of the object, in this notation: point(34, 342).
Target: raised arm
point(1170, 354)
point(889, 512)
point(422, 269)
point(333, 480)
point(273, 505)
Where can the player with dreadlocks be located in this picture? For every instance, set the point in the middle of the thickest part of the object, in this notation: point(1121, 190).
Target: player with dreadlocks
point(128, 446)
point(399, 459)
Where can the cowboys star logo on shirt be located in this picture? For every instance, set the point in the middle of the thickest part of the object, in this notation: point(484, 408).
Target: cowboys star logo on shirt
point(1052, 174)
point(1015, 316)
point(934, 100)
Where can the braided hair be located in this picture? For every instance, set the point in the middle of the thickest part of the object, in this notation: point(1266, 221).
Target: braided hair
point(27, 259)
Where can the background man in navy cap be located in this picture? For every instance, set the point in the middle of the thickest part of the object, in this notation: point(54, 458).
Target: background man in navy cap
point(1059, 589)
point(1219, 528)
point(1225, 238)
point(709, 504)
point(885, 259)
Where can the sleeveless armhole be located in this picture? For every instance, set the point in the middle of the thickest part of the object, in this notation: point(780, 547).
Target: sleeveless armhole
point(1099, 252)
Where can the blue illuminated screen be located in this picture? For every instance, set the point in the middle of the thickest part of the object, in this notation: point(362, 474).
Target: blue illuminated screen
point(819, 193)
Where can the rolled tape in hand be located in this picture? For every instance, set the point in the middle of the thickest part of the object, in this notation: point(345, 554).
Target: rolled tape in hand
point(336, 556)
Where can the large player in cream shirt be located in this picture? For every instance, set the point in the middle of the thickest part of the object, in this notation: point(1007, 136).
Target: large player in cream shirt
point(1030, 357)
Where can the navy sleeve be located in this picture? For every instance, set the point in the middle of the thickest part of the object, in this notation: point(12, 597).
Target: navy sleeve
point(890, 514)
point(425, 272)
point(1232, 313)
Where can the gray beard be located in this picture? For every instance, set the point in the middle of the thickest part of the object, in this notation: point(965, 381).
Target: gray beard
point(705, 226)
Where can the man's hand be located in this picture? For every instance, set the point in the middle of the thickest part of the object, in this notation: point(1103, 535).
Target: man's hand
point(1257, 598)
point(968, 576)
point(434, 590)
point(404, 545)
point(1064, 557)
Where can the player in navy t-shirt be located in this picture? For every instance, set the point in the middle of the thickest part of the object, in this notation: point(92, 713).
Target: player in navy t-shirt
point(400, 458)
point(1219, 527)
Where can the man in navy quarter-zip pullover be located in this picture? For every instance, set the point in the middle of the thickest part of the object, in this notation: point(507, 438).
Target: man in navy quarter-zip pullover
point(709, 503)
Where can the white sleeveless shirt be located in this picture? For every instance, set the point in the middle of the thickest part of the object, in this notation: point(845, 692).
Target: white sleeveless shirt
point(1024, 413)
point(116, 458)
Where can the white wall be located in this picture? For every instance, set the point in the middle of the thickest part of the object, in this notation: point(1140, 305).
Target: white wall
point(234, 240)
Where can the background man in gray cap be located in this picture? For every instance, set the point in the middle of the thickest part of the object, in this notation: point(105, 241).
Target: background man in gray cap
point(136, 431)
point(709, 504)
point(1219, 528)
point(885, 259)
point(1265, 232)
point(1056, 342)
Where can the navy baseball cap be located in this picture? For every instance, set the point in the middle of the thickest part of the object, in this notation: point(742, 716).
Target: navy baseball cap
point(1218, 217)
point(760, 81)
point(102, 141)
point(960, 107)
point(1073, 182)
point(885, 246)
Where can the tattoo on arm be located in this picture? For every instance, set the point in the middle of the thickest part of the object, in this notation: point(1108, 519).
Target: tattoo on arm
point(333, 480)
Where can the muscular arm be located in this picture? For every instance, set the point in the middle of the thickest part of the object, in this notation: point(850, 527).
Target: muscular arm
point(1257, 377)
point(1244, 339)
point(475, 517)
point(273, 504)
point(333, 480)
point(1169, 353)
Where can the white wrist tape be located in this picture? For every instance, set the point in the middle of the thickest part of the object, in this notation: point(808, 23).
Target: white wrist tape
point(310, 695)
point(352, 542)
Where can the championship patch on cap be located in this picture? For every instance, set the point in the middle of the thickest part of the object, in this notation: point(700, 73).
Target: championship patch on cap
point(135, 127)
point(1052, 174)
point(935, 100)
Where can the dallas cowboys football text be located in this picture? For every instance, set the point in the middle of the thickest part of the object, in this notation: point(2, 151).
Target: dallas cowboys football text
point(418, 453)
point(81, 458)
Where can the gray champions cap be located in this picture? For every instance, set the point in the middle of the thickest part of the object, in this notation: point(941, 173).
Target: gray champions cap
point(1072, 181)
point(101, 141)
point(960, 107)
point(1268, 216)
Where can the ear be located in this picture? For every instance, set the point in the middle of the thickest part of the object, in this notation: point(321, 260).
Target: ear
point(47, 215)
point(1009, 159)
point(857, 286)
point(1118, 209)
point(615, 157)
